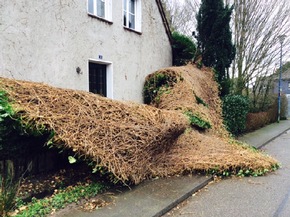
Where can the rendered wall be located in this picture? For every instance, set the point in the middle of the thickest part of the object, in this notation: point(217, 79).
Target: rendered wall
point(45, 41)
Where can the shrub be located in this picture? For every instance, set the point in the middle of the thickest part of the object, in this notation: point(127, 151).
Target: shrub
point(235, 110)
point(183, 49)
point(153, 87)
point(261, 100)
point(273, 109)
point(257, 120)
point(8, 188)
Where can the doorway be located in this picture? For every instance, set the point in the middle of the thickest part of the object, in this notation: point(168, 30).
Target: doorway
point(98, 78)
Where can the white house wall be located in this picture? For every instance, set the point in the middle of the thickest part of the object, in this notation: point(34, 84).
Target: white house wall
point(45, 41)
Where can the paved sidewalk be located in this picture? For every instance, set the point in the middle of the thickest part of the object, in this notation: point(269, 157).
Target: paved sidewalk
point(261, 137)
point(154, 198)
point(150, 198)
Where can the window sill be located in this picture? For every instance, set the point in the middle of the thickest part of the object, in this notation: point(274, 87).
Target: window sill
point(132, 30)
point(101, 19)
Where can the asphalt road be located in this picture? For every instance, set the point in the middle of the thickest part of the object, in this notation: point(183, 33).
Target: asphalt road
point(267, 196)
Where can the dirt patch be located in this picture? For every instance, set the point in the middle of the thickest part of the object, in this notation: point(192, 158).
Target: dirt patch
point(45, 184)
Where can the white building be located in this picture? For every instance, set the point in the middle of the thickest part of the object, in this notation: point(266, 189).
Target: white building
point(102, 46)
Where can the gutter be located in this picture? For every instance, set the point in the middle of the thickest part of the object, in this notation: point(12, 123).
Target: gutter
point(164, 20)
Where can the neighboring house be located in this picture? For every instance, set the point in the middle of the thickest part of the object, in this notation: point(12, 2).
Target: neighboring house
point(273, 82)
point(285, 82)
point(102, 46)
point(271, 85)
point(285, 85)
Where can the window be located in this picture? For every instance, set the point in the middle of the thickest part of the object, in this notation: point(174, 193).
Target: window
point(100, 8)
point(132, 14)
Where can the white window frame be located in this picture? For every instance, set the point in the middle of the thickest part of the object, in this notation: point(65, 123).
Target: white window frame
point(94, 12)
point(138, 15)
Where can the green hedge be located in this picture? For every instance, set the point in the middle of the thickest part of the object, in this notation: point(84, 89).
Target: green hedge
point(235, 110)
point(183, 49)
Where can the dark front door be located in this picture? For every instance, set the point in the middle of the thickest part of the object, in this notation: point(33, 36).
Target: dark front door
point(98, 79)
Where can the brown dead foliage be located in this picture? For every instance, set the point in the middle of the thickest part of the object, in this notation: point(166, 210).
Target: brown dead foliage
point(210, 149)
point(193, 83)
point(122, 137)
point(134, 141)
point(200, 152)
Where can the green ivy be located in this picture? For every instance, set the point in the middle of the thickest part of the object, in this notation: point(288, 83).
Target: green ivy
point(200, 101)
point(196, 120)
point(18, 138)
point(5, 107)
point(199, 64)
point(155, 86)
point(242, 172)
point(7, 125)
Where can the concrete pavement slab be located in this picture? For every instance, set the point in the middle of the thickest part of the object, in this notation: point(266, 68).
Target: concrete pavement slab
point(152, 198)
point(266, 134)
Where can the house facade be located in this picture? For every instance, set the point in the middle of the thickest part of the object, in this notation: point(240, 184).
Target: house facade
point(285, 83)
point(284, 87)
point(103, 46)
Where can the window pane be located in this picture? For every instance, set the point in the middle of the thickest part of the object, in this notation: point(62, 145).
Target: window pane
point(91, 6)
point(101, 8)
point(125, 19)
point(132, 21)
point(125, 4)
point(132, 6)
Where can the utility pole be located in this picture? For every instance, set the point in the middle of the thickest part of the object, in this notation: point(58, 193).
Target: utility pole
point(281, 40)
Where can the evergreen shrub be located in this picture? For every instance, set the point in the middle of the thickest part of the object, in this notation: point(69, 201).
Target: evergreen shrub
point(183, 49)
point(235, 110)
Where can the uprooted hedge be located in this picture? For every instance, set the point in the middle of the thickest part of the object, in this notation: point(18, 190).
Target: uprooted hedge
point(16, 139)
point(122, 137)
point(134, 141)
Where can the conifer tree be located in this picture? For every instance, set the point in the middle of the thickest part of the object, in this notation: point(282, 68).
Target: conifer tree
point(215, 39)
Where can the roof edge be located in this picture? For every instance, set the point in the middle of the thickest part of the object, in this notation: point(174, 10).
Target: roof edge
point(164, 20)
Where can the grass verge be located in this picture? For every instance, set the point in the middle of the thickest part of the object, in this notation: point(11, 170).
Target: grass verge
point(60, 199)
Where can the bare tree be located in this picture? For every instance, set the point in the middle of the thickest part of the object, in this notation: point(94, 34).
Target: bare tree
point(257, 25)
point(181, 15)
